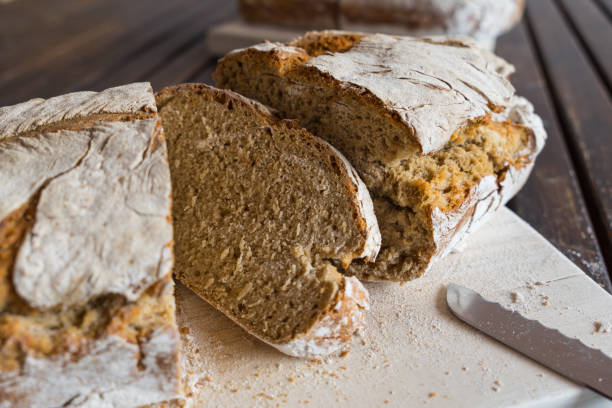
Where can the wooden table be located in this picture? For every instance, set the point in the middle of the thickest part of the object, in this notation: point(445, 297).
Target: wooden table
point(562, 51)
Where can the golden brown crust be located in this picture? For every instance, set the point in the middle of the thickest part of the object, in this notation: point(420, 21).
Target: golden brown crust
point(82, 123)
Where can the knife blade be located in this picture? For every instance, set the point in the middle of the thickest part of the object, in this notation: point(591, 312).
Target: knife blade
point(549, 347)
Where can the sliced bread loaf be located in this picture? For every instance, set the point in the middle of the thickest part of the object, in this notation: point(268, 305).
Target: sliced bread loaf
point(86, 296)
point(432, 126)
point(264, 212)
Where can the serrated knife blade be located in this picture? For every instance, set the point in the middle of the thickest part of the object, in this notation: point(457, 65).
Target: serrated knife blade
point(549, 347)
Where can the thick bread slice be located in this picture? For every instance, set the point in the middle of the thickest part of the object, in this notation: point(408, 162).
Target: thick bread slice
point(86, 294)
point(263, 213)
point(432, 126)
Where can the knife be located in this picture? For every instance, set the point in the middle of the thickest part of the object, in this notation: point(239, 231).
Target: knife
point(568, 357)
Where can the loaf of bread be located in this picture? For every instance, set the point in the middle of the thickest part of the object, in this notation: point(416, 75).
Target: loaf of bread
point(264, 214)
point(86, 295)
point(483, 20)
point(432, 125)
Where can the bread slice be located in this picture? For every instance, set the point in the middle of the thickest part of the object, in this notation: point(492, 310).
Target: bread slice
point(86, 295)
point(264, 213)
point(432, 126)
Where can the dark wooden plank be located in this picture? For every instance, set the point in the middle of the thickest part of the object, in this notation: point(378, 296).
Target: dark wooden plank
point(585, 109)
point(183, 68)
point(204, 75)
point(551, 201)
point(27, 30)
point(138, 32)
point(606, 5)
point(194, 65)
point(70, 45)
point(595, 31)
point(190, 31)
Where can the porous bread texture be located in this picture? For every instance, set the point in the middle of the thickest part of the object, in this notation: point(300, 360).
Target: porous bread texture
point(482, 20)
point(432, 126)
point(86, 295)
point(413, 92)
point(263, 214)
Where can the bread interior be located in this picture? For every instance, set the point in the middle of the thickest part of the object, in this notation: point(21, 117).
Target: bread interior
point(261, 212)
point(405, 188)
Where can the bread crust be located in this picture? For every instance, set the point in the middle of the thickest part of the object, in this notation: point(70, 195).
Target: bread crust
point(363, 208)
point(432, 88)
point(63, 159)
point(333, 328)
point(483, 20)
point(406, 79)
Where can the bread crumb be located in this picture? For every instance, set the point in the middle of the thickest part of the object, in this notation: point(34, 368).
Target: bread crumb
point(432, 394)
point(235, 390)
point(516, 297)
point(207, 379)
point(464, 368)
point(601, 327)
point(538, 283)
point(447, 373)
point(291, 379)
point(387, 401)
point(344, 353)
point(185, 330)
point(495, 389)
point(497, 382)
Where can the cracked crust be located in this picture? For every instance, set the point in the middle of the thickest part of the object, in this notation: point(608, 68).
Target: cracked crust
point(86, 252)
point(427, 87)
point(333, 332)
point(431, 124)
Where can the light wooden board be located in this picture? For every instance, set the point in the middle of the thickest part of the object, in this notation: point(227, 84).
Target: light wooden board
point(413, 351)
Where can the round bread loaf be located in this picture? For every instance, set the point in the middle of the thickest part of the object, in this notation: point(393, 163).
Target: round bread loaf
point(432, 126)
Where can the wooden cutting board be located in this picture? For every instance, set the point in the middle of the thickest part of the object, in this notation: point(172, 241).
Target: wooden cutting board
point(413, 351)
